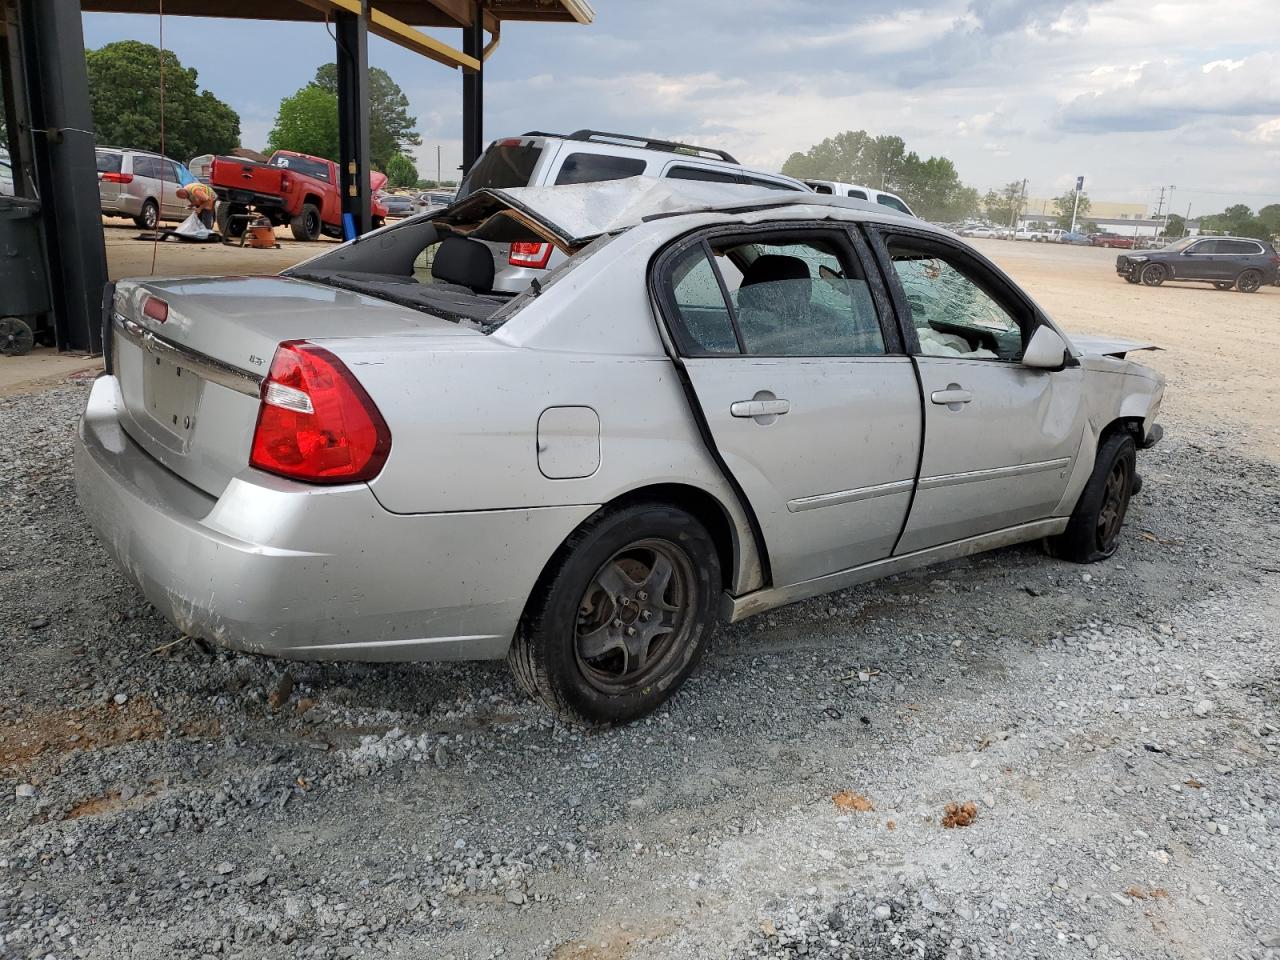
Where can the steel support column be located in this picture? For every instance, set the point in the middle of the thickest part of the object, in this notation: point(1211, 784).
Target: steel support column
point(66, 170)
point(352, 33)
point(473, 90)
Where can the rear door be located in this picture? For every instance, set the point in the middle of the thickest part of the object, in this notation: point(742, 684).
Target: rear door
point(1000, 438)
point(174, 207)
point(804, 390)
point(1201, 261)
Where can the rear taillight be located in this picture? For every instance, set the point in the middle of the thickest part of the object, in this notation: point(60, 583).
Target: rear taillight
point(156, 309)
point(525, 254)
point(285, 182)
point(117, 178)
point(315, 421)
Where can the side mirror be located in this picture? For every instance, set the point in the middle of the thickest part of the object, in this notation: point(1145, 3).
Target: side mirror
point(1046, 351)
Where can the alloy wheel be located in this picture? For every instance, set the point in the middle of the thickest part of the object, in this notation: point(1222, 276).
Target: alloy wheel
point(1115, 501)
point(1249, 282)
point(635, 615)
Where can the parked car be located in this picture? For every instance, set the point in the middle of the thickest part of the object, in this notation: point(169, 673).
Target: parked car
point(361, 460)
point(141, 185)
point(432, 200)
point(983, 232)
point(397, 205)
point(590, 156)
point(1226, 262)
point(859, 192)
point(1076, 239)
point(1112, 240)
point(290, 188)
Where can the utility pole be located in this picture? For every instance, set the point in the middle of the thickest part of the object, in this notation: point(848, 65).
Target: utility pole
point(1075, 205)
point(438, 183)
point(1170, 210)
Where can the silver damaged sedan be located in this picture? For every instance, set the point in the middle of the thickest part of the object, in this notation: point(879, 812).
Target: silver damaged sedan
point(725, 399)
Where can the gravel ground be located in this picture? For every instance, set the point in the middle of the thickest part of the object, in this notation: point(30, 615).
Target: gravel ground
point(1109, 736)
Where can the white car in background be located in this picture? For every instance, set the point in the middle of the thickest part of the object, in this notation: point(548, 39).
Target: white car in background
point(591, 156)
point(858, 192)
point(984, 232)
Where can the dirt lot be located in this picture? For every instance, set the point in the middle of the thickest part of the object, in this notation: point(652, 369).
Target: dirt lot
point(1006, 757)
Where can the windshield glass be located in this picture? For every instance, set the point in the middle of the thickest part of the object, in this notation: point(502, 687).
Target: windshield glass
point(307, 166)
point(503, 165)
point(1182, 244)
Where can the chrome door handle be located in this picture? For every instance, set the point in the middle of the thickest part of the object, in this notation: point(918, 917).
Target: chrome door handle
point(759, 408)
point(954, 394)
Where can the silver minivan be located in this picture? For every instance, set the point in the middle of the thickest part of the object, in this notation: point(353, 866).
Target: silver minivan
point(539, 159)
point(141, 185)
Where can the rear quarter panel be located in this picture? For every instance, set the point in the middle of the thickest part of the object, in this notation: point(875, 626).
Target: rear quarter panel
point(464, 411)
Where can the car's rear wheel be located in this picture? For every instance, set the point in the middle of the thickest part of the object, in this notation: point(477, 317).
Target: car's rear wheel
point(1093, 533)
point(1153, 274)
point(149, 218)
point(306, 225)
point(1223, 284)
point(1249, 281)
point(621, 616)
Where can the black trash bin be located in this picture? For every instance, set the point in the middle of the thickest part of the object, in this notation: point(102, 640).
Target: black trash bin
point(24, 285)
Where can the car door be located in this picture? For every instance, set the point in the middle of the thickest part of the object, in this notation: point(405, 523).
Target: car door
point(1000, 438)
point(802, 388)
point(1200, 261)
point(175, 208)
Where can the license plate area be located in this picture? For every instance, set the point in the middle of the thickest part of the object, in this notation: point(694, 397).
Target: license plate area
point(172, 396)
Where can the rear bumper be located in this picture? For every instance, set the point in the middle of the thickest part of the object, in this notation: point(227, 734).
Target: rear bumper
point(122, 206)
point(304, 572)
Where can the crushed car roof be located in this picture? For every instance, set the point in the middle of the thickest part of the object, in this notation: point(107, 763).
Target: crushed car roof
point(580, 212)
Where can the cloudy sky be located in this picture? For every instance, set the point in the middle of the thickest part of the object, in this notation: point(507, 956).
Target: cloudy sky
point(1131, 94)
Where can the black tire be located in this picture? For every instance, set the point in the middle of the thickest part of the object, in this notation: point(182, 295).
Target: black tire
point(1249, 281)
point(149, 218)
point(306, 225)
point(1153, 274)
point(583, 628)
point(16, 337)
point(1223, 284)
point(1132, 277)
point(228, 227)
point(378, 223)
point(1093, 532)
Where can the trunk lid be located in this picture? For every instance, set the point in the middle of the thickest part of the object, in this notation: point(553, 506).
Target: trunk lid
point(190, 385)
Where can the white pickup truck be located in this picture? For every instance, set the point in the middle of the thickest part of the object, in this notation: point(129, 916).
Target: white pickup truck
point(1040, 236)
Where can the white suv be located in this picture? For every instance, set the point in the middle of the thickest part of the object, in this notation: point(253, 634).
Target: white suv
point(545, 159)
point(859, 192)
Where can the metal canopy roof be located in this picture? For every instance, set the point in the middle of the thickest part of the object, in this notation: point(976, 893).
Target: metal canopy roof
point(393, 20)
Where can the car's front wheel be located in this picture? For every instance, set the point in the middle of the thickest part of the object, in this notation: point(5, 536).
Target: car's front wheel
point(621, 616)
point(1249, 281)
point(1223, 284)
point(1093, 532)
point(1153, 274)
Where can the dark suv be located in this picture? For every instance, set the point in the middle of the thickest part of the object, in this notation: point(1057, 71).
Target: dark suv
point(1225, 262)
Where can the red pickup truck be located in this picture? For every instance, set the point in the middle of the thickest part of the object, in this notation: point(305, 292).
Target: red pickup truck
point(291, 188)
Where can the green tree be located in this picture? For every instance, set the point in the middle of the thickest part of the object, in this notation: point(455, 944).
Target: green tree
point(1238, 220)
point(401, 172)
point(1175, 226)
point(1004, 206)
point(1064, 204)
point(307, 122)
point(390, 125)
point(1270, 217)
point(930, 185)
point(124, 93)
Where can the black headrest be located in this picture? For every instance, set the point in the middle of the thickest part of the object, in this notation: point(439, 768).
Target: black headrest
point(468, 263)
point(772, 267)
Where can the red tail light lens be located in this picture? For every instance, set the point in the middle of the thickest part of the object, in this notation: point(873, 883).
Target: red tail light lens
point(156, 309)
point(285, 182)
point(117, 178)
point(533, 255)
point(316, 423)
